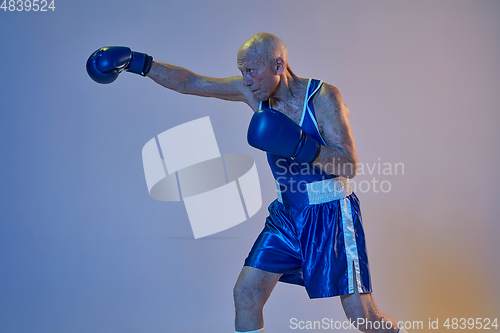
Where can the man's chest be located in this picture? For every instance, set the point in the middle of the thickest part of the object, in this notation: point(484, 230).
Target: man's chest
point(298, 113)
point(292, 109)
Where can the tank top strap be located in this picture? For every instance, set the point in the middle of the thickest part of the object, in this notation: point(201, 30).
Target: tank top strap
point(308, 121)
point(265, 104)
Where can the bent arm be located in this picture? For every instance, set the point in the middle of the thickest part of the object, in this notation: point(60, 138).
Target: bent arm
point(186, 82)
point(339, 157)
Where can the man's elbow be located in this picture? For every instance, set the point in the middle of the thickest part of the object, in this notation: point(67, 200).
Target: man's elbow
point(350, 175)
point(349, 169)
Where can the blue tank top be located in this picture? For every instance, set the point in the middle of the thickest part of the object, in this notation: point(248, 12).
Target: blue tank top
point(287, 171)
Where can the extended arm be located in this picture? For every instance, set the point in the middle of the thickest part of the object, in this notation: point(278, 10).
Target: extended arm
point(186, 82)
point(105, 64)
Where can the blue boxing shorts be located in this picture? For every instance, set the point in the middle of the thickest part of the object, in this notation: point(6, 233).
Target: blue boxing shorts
point(314, 237)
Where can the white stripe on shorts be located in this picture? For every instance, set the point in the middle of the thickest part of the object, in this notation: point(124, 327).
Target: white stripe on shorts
point(351, 247)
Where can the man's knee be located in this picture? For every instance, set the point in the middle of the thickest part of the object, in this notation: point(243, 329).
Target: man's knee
point(245, 298)
point(362, 311)
point(253, 288)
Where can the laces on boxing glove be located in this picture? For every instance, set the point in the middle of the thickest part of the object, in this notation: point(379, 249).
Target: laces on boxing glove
point(300, 145)
point(307, 150)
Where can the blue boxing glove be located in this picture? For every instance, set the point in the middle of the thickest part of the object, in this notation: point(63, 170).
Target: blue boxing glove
point(104, 65)
point(274, 132)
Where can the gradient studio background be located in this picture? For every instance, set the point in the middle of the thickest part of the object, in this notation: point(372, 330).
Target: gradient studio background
point(83, 248)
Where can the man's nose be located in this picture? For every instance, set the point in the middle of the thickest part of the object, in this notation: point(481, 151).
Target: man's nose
point(247, 81)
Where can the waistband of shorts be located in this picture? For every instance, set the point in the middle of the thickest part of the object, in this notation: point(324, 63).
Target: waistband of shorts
point(313, 193)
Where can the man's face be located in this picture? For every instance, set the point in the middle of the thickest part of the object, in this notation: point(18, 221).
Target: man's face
point(259, 76)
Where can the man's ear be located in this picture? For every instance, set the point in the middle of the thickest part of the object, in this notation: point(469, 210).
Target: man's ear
point(279, 65)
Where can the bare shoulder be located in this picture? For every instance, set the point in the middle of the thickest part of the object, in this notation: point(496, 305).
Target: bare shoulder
point(329, 101)
point(332, 116)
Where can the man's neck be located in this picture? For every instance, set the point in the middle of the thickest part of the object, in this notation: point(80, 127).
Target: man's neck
point(289, 88)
